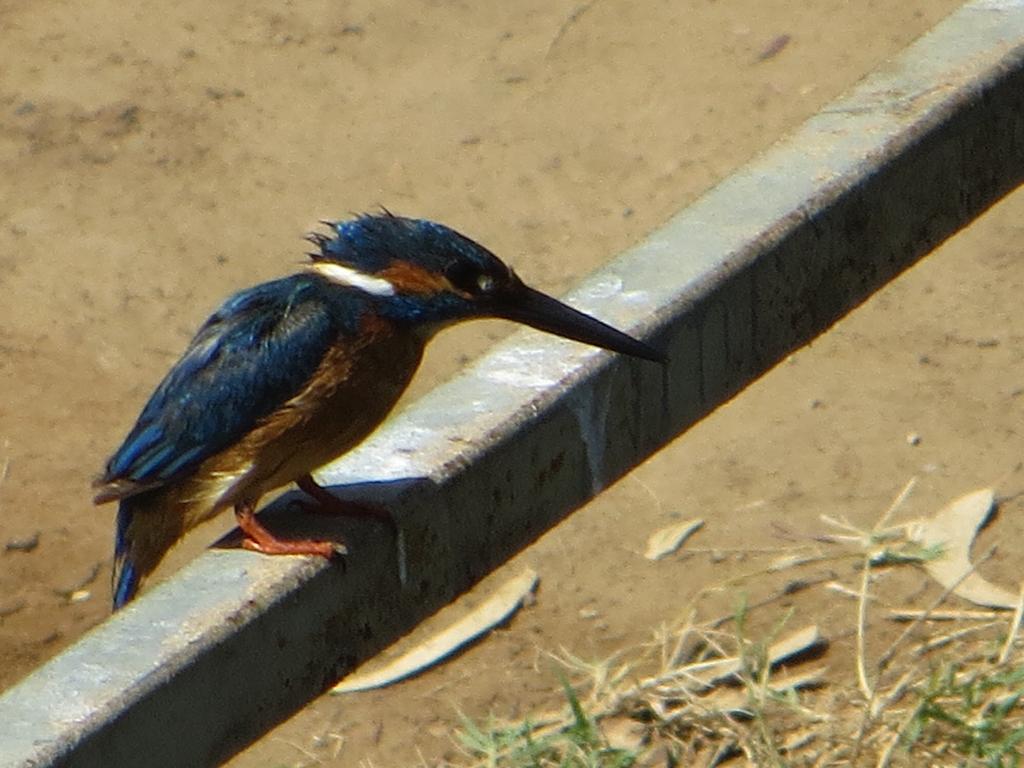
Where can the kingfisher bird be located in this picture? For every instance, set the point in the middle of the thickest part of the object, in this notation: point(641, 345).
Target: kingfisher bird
point(290, 374)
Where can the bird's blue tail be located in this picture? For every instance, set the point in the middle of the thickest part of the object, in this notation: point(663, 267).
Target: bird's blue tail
point(126, 576)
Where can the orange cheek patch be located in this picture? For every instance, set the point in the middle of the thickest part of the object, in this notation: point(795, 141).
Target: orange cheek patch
point(408, 278)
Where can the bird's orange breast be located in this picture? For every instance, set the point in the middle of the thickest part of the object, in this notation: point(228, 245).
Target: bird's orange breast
point(353, 390)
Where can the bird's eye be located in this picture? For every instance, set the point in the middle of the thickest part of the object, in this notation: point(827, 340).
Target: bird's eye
point(485, 283)
point(470, 279)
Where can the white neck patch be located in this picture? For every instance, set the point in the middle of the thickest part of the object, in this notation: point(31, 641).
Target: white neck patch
point(338, 273)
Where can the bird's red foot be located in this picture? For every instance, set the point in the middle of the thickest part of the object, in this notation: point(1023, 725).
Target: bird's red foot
point(327, 503)
point(258, 539)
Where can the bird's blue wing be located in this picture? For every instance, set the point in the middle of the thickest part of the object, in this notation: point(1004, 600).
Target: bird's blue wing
point(254, 354)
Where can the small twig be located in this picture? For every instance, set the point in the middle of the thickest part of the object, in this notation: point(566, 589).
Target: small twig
point(748, 550)
point(938, 642)
point(1011, 635)
point(904, 615)
point(886, 755)
point(896, 503)
point(899, 688)
point(843, 524)
point(845, 591)
point(299, 748)
point(571, 19)
point(7, 465)
point(862, 613)
point(880, 531)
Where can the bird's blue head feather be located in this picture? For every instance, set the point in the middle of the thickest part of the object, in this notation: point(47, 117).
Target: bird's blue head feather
point(418, 270)
point(427, 275)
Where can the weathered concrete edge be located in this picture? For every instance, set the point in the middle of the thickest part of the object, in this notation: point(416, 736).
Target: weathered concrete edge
point(205, 663)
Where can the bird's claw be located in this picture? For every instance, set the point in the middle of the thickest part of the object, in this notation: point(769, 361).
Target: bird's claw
point(275, 546)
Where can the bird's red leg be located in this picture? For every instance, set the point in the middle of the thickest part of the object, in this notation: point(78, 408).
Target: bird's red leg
point(329, 503)
point(259, 539)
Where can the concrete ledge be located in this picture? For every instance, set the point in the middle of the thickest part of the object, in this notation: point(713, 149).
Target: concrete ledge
point(205, 663)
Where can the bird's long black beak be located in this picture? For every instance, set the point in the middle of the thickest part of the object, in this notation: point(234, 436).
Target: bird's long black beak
point(538, 310)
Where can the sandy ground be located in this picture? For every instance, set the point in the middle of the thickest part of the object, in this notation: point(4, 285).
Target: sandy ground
point(157, 159)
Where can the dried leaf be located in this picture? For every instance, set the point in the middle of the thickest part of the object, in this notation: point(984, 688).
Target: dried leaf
point(498, 607)
point(953, 528)
point(668, 540)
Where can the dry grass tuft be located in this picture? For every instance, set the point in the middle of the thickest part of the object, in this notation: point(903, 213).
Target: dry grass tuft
point(946, 690)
